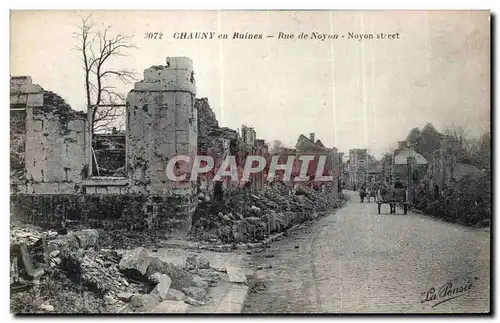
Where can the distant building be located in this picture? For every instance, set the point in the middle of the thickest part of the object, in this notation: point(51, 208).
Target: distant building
point(310, 146)
point(374, 173)
point(248, 135)
point(409, 167)
point(357, 167)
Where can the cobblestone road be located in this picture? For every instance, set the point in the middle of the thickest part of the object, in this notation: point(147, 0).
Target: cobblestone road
point(358, 261)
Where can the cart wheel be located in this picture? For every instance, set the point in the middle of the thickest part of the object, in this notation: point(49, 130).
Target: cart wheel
point(406, 209)
point(378, 208)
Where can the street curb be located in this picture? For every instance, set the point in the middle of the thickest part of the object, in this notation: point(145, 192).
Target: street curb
point(234, 300)
point(234, 297)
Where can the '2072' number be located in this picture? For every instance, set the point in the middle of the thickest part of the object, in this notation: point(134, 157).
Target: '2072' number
point(153, 35)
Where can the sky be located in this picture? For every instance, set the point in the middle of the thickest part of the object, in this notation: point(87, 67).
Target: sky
point(351, 93)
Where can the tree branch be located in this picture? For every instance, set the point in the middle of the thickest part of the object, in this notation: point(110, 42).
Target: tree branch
point(97, 49)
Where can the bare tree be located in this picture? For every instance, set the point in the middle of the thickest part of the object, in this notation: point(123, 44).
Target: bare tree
point(98, 48)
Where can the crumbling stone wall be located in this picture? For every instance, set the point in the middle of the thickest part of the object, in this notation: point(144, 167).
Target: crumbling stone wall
point(18, 146)
point(216, 142)
point(211, 136)
point(162, 122)
point(54, 138)
point(111, 211)
point(248, 134)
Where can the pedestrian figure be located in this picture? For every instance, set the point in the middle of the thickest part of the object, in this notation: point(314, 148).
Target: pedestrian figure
point(362, 194)
point(373, 193)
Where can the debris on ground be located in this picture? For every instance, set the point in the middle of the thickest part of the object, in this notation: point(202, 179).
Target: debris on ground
point(52, 273)
point(245, 217)
point(126, 239)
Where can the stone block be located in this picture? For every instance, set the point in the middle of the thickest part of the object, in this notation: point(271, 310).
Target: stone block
point(182, 148)
point(87, 238)
point(25, 89)
point(34, 100)
point(167, 149)
point(143, 303)
point(20, 80)
point(236, 275)
point(66, 188)
point(166, 75)
point(182, 123)
point(26, 259)
point(19, 99)
point(113, 190)
point(53, 171)
point(182, 136)
point(64, 243)
point(179, 63)
point(135, 262)
point(162, 288)
point(101, 190)
point(180, 277)
point(46, 188)
point(90, 190)
point(142, 86)
point(234, 300)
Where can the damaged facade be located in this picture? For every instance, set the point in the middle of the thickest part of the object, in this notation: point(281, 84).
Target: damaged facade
point(219, 142)
point(309, 147)
point(56, 184)
point(62, 172)
point(358, 163)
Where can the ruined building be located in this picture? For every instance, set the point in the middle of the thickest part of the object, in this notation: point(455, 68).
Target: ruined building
point(406, 162)
point(254, 147)
point(309, 147)
point(248, 135)
point(52, 157)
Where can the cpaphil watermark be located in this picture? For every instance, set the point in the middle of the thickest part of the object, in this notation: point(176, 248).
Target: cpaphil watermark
point(299, 168)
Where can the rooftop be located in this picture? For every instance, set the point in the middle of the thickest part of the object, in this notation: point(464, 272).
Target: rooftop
point(401, 157)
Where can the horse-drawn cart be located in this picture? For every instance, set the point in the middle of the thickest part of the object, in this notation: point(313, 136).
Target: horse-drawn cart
point(393, 197)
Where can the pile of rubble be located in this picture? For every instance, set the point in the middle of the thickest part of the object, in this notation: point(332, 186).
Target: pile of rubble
point(127, 283)
point(30, 254)
point(245, 217)
point(126, 239)
point(168, 288)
